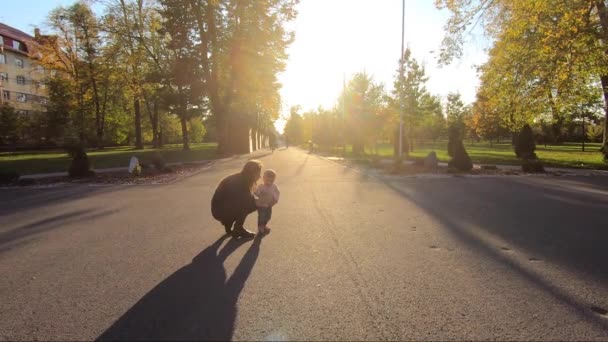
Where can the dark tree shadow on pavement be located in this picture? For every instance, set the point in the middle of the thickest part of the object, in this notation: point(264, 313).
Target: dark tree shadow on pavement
point(566, 233)
point(195, 303)
point(11, 237)
point(13, 200)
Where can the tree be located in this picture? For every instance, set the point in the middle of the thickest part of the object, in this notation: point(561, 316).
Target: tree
point(364, 102)
point(241, 49)
point(8, 125)
point(408, 95)
point(460, 158)
point(433, 123)
point(555, 47)
point(73, 53)
point(456, 113)
point(59, 109)
point(524, 144)
point(294, 130)
point(183, 93)
point(485, 119)
point(126, 22)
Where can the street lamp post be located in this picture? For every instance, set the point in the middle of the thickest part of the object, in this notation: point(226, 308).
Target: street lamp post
point(401, 105)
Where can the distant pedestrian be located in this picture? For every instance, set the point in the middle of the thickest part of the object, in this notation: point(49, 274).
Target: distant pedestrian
point(233, 199)
point(273, 142)
point(268, 195)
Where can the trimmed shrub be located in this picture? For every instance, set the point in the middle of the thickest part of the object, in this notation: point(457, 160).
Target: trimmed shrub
point(524, 149)
point(159, 162)
point(453, 139)
point(397, 166)
point(26, 181)
point(532, 166)
point(430, 161)
point(524, 143)
point(8, 177)
point(80, 166)
point(375, 161)
point(460, 158)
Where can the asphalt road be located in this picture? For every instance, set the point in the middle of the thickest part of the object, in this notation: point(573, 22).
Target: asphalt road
point(349, 257)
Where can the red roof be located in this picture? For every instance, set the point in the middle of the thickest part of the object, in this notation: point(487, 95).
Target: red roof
point(13, 33)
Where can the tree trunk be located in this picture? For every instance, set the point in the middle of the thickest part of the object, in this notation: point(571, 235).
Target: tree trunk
point(358, 148)
point(99, 121)
point(160, 135)
point(605, 136)
point(603, 14)
point(583, 140)
point(138, 141)
point(185, 137)
point(153, 114)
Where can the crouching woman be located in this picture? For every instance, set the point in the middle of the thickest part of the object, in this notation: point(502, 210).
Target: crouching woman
point(233, 199)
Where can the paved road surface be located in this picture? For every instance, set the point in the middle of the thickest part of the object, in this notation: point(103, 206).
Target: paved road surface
point(349, 258)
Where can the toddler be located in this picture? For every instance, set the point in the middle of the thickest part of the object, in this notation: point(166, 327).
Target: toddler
point(268, 196)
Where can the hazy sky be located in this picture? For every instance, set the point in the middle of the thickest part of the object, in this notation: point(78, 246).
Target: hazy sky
point(336, 38)
point(342, 37)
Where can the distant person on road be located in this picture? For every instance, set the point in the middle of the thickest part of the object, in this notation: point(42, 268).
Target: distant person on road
point(233, 199)
point(273, 142)
point(268, 195)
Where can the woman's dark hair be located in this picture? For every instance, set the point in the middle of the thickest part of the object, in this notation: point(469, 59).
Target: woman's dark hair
point(251, 172)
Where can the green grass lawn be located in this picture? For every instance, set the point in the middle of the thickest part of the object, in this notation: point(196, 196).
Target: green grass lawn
point(30, 162)
point(566, 155)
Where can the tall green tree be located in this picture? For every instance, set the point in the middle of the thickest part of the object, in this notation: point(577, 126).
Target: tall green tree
point(556, 46)
point(74, 52)
point(364, 102)
point(241, 49)
point(294, 128)
point(8, 125)
point(420, 108)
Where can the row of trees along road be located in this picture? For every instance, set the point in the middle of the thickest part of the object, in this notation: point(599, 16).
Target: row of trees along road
point(141, 67)
point(366, 114)
point(547, 68)
point(548, 65)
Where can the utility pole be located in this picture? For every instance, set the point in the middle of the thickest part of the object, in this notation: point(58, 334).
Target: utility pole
point(344, 114)
point(401, 104)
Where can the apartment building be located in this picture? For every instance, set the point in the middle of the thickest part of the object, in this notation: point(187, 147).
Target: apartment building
point(21, 77)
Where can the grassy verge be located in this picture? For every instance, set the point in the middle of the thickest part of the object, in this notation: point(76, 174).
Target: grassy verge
point(568, 155)
point(30, 162)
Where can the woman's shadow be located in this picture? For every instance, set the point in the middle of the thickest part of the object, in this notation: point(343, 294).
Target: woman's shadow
point(194, 303)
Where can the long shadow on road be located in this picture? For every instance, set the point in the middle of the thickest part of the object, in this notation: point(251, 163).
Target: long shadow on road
point(14, 236)
point(20, 199)
point(561, 222)
point(195, 303)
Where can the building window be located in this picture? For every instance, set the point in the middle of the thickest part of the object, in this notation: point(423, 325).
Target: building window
point(21, 97)
point(40, 69)
point(6, 94)
point(2, 59)
point(16, 44)
point(19, 62)
point(1, 40)
point(3, 77)
point(20, 80)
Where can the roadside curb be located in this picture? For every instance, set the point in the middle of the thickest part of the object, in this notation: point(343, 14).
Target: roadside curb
point(565, 172)
point(207, 164)
point(211, 162)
